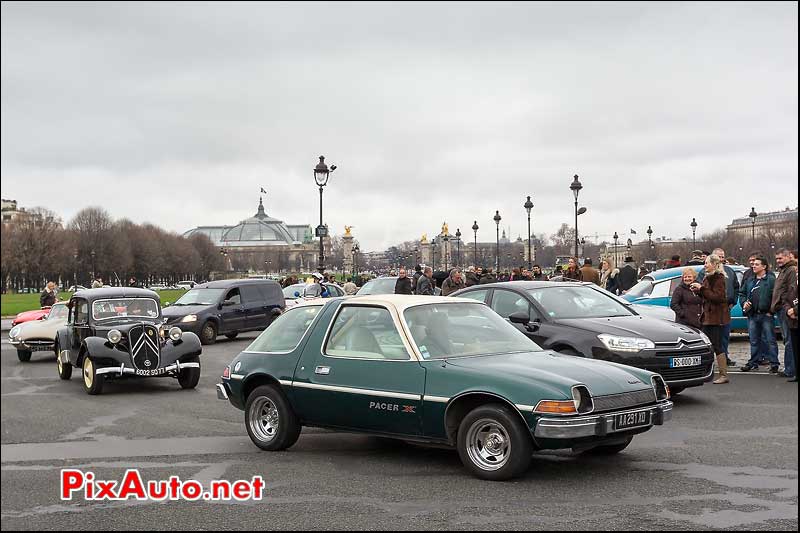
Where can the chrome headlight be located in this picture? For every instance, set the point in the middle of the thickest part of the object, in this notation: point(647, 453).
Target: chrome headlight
point(661, 388)
point(189, 318)
point(705, 338)
point(175, 333)
point(582, 399)
point(626, 344)
point(114, 336)
point(14, 331)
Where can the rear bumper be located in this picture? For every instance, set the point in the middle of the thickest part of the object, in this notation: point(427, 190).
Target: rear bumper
point(222, 394)
point(599, 425)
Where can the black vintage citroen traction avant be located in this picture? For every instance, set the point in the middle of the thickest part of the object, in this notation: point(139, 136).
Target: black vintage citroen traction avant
point(119, 332)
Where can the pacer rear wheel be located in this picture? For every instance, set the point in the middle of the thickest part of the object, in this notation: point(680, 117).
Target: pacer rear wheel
point(270, 420)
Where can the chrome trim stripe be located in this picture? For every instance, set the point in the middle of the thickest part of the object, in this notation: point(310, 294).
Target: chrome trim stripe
point(524, 408)
point(352, 390)
point(285, 382)
point(237, 376)
point(436, 399)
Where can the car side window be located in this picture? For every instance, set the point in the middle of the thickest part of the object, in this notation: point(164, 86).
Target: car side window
point(234, 296)
point(250, 294)
point(363, 332)
point(80, 312)
point(506, 303)
point(479, 296)
point(660, 289)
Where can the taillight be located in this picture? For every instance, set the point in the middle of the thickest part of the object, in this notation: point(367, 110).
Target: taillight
point(226, 374)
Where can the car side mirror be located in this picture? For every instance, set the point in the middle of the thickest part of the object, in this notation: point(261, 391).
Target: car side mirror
point(166, 304)
point(519, 318)
point(276, 313)
point(228, 303)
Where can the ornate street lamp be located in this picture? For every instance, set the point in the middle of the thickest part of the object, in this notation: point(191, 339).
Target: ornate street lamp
point(753, 216)
point(650, 240)
point(433, 247)
point(528, 206)
point(446, 241)
point(497, 218)
point(616, 257)
point(475, 245)
point(458, 245)
point(694, 230)
point(321, 175)
point(94, 274)
point(583, 246)
point(576, 187)
point(356, 249)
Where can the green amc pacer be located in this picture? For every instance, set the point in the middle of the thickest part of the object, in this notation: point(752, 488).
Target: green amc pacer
point(437, 370)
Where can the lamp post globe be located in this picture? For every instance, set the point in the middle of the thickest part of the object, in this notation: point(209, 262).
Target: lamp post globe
point(321, 175)
point(497, 218)
point(576, 187)
point(475, 243)
point(528, 206)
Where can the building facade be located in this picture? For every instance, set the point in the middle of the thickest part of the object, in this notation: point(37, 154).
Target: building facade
point(773, 225)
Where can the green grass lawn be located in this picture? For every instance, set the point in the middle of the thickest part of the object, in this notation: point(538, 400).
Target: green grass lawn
point(11, 304)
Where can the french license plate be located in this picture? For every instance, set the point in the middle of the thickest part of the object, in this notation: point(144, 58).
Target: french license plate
point(677, 362)
point(632, 420)
point(41, 348)
point(156, 372)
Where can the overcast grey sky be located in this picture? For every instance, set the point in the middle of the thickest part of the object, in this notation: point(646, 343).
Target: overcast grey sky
point(178, 114)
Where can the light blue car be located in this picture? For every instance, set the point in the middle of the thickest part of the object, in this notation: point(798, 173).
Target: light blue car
point(656, 288)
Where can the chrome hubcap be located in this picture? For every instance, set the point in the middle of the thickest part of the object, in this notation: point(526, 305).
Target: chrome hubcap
point(488, 444)
point(264, 419)
point(88, 373)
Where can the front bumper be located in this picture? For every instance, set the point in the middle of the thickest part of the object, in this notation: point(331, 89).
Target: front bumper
point(34, 346)
point(599, 425)
point(122, 370)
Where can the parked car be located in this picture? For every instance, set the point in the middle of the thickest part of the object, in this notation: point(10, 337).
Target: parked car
point(437, 370)
point(294, 294)
point(29, 316)
point(656, 288)
point(74, 288)
point(157, 287)
point(38, 335)
point(226, 307)
point(582, 319)
point(118, 333)
point(385, 285)
point(185, 285)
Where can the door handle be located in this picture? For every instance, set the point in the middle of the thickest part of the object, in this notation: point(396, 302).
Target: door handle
point(322, 370)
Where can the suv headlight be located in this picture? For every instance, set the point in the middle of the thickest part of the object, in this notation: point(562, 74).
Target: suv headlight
point(14, 331)
point(175, 333)
point(114, 336)
point(189, 318)
point(661, 388)
point(626, 344)
point(705, 338)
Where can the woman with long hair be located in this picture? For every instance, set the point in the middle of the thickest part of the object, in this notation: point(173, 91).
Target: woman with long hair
point(688, 305)
point(573, 272)
point(716, 312)
point(608, 275)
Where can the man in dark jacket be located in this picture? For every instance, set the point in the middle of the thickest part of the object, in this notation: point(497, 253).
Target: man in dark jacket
point(487, 276)
point(589, 272)
point(755, 299)
point(781, 302)
point(627, 275)
point(731, 292)
point(49, 295)
point(453, 283)
point(537, 274)
point(697, 258)
point(415, 277)
point(472, 277)
point(403, 285)
point(425, 282)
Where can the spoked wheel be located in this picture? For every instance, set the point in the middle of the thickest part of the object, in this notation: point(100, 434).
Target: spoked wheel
point(493, 443)
point(92, 381)
point(270, 421)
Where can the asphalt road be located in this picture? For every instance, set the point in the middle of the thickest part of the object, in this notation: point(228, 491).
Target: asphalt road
point(727, 460)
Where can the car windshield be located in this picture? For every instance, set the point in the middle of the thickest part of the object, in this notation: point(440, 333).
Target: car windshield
point(58, 312)
point(124, 307)
point(200, 297)
point(578, 301)
point(294, 291)
point(379, 286)
point(641, 289)
point(443, 331)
